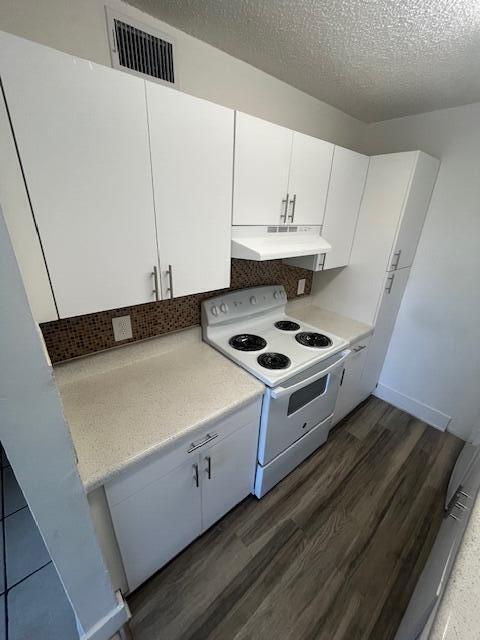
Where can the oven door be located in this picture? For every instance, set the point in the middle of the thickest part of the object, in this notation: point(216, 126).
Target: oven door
point(293, 409)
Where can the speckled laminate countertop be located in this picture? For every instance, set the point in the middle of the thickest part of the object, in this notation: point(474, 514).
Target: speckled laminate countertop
point(125, 404)
point(343, 327)
point(128, 403)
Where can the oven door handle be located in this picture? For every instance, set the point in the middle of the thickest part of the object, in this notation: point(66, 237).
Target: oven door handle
point(280, 392)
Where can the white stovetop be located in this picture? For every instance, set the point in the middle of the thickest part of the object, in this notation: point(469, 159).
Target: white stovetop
point(255, 311)
point(278, 341)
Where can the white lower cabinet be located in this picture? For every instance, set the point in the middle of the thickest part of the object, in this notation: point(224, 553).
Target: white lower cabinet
point(157, 522)
point(228, 473)
point(347, 181)
point(165, 503)
point(350, 393)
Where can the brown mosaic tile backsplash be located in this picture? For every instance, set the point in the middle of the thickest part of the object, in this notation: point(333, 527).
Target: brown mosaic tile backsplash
point(81, 335)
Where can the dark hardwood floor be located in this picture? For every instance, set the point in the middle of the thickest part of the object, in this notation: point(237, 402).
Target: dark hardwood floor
point(333, 552)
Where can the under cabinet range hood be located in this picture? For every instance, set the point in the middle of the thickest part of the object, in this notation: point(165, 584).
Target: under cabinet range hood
point(275, 242)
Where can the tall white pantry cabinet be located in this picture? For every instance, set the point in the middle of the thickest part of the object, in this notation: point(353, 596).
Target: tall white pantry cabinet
point(393, 209)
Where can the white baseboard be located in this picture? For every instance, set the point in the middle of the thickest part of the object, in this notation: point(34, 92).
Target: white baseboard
point(109, 625)
point(422, 411)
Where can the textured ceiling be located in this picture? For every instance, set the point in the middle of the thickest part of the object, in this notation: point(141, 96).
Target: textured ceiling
point(374, 59)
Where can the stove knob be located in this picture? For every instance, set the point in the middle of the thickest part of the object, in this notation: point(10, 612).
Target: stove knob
point(253, 300)
point(214, 311)
point(223, 308)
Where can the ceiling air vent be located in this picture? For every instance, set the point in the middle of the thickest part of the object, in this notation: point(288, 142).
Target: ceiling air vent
point(140, 49)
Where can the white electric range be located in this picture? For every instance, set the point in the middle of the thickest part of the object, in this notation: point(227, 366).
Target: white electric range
point(300, 365)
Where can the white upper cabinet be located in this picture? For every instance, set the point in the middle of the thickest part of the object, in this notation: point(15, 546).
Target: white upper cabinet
point(347, 181)
point(192, 157)
point(392, 211)
point(82, 135)
point(262, 164)
point(310, 167)
point(280, 176)
point(386, 187)
point(414, 211)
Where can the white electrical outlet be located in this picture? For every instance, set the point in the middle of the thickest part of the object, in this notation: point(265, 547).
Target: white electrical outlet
point(122, 328)
point(301, 287)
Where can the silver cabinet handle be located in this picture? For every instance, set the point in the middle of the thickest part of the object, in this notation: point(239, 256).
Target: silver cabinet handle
point(459, 505)
point(321, 265)
point(450, 515)
point(170, 280)
point(466, 495)
point(155, 283)
point(357, 349)
point(208, 438)
point(209, 467)
point(293, 202)
point(283, 215)
point(195, 476)
point(390, 284)
point(396, 262)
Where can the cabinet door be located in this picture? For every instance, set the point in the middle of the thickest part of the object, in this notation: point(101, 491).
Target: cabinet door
point(356, 292)
point(157, 522)
point(192, 164)
point(350, 392)
point(82, 135)
point(395, 284)
point(262, 163)
point(228, 472)
point(308, 182)
point(414, 211)
point(347, 181)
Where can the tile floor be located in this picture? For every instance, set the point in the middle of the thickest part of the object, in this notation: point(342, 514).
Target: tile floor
point(33, 604)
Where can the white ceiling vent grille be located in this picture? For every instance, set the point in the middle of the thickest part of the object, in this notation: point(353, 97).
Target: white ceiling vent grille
point(140, 49)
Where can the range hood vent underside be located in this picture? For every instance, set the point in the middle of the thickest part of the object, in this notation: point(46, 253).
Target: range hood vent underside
point(259, 243)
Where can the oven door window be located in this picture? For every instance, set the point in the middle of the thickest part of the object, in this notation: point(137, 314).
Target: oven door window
point(303, 396)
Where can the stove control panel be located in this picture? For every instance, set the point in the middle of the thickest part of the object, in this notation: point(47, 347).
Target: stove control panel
point(242, 303)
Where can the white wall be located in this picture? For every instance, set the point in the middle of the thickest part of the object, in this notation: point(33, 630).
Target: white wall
point(434, 355)
point(38, 444)
point(79, 27)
